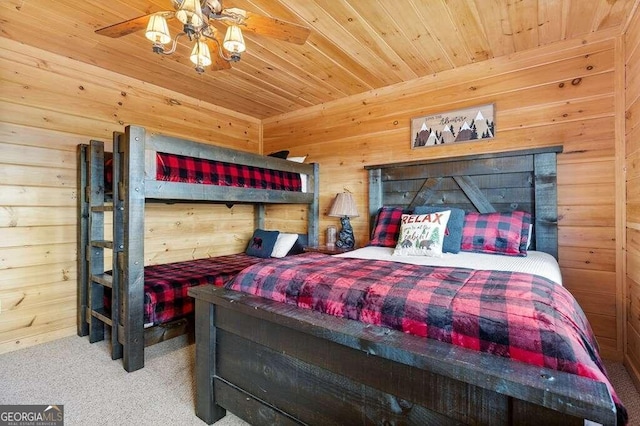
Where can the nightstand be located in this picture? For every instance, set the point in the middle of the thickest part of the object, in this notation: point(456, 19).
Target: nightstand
point(326, 249)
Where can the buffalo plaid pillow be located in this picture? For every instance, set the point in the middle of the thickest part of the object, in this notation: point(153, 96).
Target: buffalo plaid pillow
point(496, 233)
point(387, 227)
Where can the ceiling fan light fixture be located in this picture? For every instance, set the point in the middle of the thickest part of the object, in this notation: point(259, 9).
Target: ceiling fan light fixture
point(158, 30)
point(201, 56)
point(200, 20)
point(233, 40)
point(190, 13)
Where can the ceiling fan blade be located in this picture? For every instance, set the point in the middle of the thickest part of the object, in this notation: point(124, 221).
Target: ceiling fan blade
point(275, 28)
point(125, 28)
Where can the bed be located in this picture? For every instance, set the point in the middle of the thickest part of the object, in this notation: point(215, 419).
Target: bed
point(150, 167)
point(269, 361)
point(167, 305)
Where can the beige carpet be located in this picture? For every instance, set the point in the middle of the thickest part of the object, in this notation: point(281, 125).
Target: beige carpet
point(96, 390)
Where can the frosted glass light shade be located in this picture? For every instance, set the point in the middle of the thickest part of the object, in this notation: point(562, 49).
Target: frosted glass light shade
point(233, 40)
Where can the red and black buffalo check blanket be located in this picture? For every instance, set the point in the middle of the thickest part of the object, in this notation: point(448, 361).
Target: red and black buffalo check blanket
point(166, 286)
point(179, 168)
point(520, 316)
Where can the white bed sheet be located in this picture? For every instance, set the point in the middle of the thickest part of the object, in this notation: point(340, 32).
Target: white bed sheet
point(536, 262)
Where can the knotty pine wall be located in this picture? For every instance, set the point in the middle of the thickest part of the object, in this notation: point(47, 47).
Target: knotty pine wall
point(49, 105)
point(563, 94)
point(632, 163)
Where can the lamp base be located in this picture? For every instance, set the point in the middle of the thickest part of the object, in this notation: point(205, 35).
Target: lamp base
point(346, 240)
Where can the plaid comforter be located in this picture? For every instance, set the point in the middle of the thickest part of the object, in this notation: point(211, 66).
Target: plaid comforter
point(166, 286)
point(515, 315)
point(179, 168)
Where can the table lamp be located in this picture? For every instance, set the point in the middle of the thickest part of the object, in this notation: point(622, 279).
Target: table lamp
point(344, 207)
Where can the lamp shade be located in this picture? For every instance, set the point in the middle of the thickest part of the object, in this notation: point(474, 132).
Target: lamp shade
point(233, 40)
point(200, 55)
point(190, 12)
point(158, 30)
point(344, 205)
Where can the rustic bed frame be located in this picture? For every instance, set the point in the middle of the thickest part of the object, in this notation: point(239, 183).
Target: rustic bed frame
point(134, 183)
point(273, 363)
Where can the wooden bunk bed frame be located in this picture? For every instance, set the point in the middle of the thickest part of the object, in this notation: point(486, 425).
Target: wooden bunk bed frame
point(134, 183)
point(273, 363)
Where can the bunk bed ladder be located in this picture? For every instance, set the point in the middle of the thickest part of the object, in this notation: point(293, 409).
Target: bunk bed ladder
point(93, 277)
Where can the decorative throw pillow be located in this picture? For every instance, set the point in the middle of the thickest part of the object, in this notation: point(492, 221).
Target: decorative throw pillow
point(422, 234)
point(496, 233)
point(261, 243)
point(387, 227)
point(453, 233)
point(283, 245)
point(298, 246)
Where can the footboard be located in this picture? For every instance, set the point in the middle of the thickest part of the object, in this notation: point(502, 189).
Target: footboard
point(272, 363)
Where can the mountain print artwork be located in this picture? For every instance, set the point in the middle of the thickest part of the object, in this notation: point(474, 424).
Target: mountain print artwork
point(464, 125)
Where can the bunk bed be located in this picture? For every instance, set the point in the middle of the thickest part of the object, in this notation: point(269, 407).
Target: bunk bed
point(150, 167)
point(271, 362)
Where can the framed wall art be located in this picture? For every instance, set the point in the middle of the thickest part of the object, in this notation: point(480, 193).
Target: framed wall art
point(463, 125)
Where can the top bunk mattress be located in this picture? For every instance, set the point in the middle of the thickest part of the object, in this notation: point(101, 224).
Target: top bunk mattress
point(185, 169)
point(180, 168)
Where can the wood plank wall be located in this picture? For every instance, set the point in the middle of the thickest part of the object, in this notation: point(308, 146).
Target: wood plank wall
point(632, 163)
point(556, 95)
point(48, 105)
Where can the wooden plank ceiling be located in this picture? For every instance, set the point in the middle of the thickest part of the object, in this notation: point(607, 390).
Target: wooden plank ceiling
point(354, 45)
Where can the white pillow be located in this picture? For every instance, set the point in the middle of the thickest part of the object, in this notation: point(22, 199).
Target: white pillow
point(284, 243)
point(297, 159)
point(422, 234)
point(303, 177)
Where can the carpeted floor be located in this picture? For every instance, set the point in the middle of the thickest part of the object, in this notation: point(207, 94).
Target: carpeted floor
point(96, 390)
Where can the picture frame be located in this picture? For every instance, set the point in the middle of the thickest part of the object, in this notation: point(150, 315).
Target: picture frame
point(471, 124)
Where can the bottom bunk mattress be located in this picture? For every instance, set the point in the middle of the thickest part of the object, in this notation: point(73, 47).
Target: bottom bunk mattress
point(166, 285)
point(517, 315)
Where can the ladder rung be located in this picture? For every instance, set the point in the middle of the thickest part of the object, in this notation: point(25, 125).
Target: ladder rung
point(102, 243)
point(104, 208)
point(104, 279)
point(102, 315)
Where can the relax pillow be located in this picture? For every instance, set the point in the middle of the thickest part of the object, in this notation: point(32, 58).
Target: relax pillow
point(496, 233)
point(422, 234)
point(261, 243)
point(387, 227)
point(283, 245)
point(453, 234)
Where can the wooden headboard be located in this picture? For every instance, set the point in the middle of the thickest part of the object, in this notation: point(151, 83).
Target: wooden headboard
point(516, 180)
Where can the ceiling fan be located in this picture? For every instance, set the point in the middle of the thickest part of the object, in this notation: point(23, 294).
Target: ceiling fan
point(201, 20)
